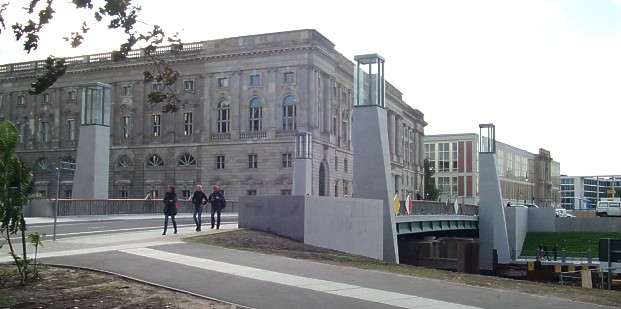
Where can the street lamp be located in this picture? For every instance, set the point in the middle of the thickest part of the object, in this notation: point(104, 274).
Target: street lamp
point(68, 166)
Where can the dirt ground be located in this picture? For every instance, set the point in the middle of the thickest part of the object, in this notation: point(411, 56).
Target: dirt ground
point(73, 288)
point(271, 244)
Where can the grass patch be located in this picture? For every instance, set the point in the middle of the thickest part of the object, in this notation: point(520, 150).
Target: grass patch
point(6, 301)
point(254, 241)
point(575, 243)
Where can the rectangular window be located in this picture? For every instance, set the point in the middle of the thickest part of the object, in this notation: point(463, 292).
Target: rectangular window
point(220, 162)
point(125, 127)
point(21, 100)
point(20, 131)
point(289, 77)
point(43, 193)
point(188, 85)
point(251, 192)
point(187, 123)
point(454, 191)
point(286, 160)
point(454, 157)
point(252, 161)
point(336, 163)
point(157, 86)
point(255, 80)
point(443, 157)
point(345, 188)
point(71, 95)
point(336, 188)
point(123, 193)
point(70, 126)
point(346, 165)
point(285, 192)
point(153, 194)
point(45, 98)
point(127, 91)
point(223, 82)
point(444, 185)
point(155, 121)
point(43, 132)
point(67, 194)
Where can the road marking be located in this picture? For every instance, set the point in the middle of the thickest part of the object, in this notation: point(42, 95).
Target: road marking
point(324, 286)
point(4, 259)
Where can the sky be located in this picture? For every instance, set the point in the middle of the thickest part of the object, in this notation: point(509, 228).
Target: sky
point(546, 73)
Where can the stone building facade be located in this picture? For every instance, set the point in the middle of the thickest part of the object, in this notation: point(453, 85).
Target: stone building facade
point(242, 101)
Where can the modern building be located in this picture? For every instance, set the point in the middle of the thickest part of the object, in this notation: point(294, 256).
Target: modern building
point(524, 177)
point(583, 192)
point(242, 101)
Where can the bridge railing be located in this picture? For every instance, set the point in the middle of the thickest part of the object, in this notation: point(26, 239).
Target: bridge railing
point(84, 207)
point(437, 208)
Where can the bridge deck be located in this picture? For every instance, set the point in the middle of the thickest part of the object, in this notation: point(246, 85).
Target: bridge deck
point(414, 224)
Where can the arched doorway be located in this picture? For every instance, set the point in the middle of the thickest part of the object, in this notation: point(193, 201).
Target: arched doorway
point(323, 179)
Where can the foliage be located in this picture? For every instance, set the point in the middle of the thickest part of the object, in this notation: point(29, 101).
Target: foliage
point(15, 187)
point(118, 15)
point(431, 192)
point(575, 243)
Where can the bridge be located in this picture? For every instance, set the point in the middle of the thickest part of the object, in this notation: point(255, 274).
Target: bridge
point(429, 217)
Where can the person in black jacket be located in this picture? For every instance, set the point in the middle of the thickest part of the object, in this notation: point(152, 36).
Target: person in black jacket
point(216, 198)
point(170, 208)
point(198, 200)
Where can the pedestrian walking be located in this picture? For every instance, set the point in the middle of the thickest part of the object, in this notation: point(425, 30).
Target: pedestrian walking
point(199, 199)
point(216, 198)
point(170, 208)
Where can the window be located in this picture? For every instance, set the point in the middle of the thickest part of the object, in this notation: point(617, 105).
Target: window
point(286, 160)
point(443, 157)
point(124, 162)
point(255, 80)
point(125, 120)
point(224, 113)
point(289, 77)
point(186, 160)
point(336, 188)
point(220, 162)
point(252, 161)
point(188, 85)
point(223, 82)
point(67, 194)
point(155, 161)
point(43, 131)
point(454, 156)
point(43, 193)
point(336, 163)
point(256, 114)
point(42, 164)
point(186, 194)
point(123, 193)
point(345, 187)
point(45, 98)
point(157, 86)
point(21, 100)
point(251, 192)
point(443, 185)
point(153, 194)
point(285, 192)
point(21, 130)
point(127, 91)
point(454, 190)
point(70, 126)
point(71, 95)
point(430, 155)
point(187, 123)
point(288, 113)
point(346, 165)
point(155, 120)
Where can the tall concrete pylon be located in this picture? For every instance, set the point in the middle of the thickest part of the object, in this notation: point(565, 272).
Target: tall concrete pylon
point(493, 235)
point(372, 177)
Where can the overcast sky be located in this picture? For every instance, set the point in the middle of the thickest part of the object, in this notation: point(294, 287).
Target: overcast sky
point(547, 73)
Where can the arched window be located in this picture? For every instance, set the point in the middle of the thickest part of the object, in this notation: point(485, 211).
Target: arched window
point(42, 164)
point(288, 113)
point(224, 116)
point(124, 162)
point(256, 114)
point(186, 160)
point(155, 161)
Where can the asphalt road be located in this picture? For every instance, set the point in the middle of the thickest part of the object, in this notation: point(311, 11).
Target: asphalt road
point(107, 226)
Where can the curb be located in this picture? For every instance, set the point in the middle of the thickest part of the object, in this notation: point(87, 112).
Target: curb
point(157, 285)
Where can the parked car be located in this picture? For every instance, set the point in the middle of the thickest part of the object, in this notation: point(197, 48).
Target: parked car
point(523, 205)
point(608, 208)
point(562, 213)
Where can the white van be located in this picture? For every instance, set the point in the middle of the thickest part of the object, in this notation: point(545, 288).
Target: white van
point(608, 208)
